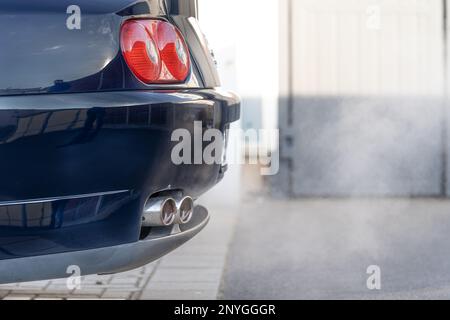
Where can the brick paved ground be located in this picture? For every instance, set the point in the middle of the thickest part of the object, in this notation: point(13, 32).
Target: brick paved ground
point(192, 272)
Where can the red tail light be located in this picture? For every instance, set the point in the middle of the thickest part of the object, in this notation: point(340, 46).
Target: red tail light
point(155, 51)
point(140, 52)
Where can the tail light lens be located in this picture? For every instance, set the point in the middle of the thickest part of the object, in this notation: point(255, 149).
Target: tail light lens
point(140, 52)
point(155, 51)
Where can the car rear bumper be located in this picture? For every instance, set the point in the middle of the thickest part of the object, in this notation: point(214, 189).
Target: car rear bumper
point(104, 260)
point(76, 169)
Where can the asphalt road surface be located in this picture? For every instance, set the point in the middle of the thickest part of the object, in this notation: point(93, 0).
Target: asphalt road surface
point(321, 249)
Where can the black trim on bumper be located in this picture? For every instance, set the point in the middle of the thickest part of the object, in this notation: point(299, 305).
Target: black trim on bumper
point(102, 261)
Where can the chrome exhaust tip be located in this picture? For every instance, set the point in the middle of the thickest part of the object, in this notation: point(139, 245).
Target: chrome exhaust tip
point(159, 212)
point(185, 210)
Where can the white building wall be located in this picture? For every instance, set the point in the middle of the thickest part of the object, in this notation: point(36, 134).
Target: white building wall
point(244, 37)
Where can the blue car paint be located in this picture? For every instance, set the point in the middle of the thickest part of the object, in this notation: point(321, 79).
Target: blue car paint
point(83, 143)
point(41, 55)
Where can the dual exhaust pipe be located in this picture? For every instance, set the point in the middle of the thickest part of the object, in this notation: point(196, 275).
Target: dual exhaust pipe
point(166, 211)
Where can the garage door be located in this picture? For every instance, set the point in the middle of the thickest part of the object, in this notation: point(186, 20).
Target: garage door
point(362, 106)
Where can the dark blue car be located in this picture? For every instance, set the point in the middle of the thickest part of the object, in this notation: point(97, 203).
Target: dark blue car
point(91, 92)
